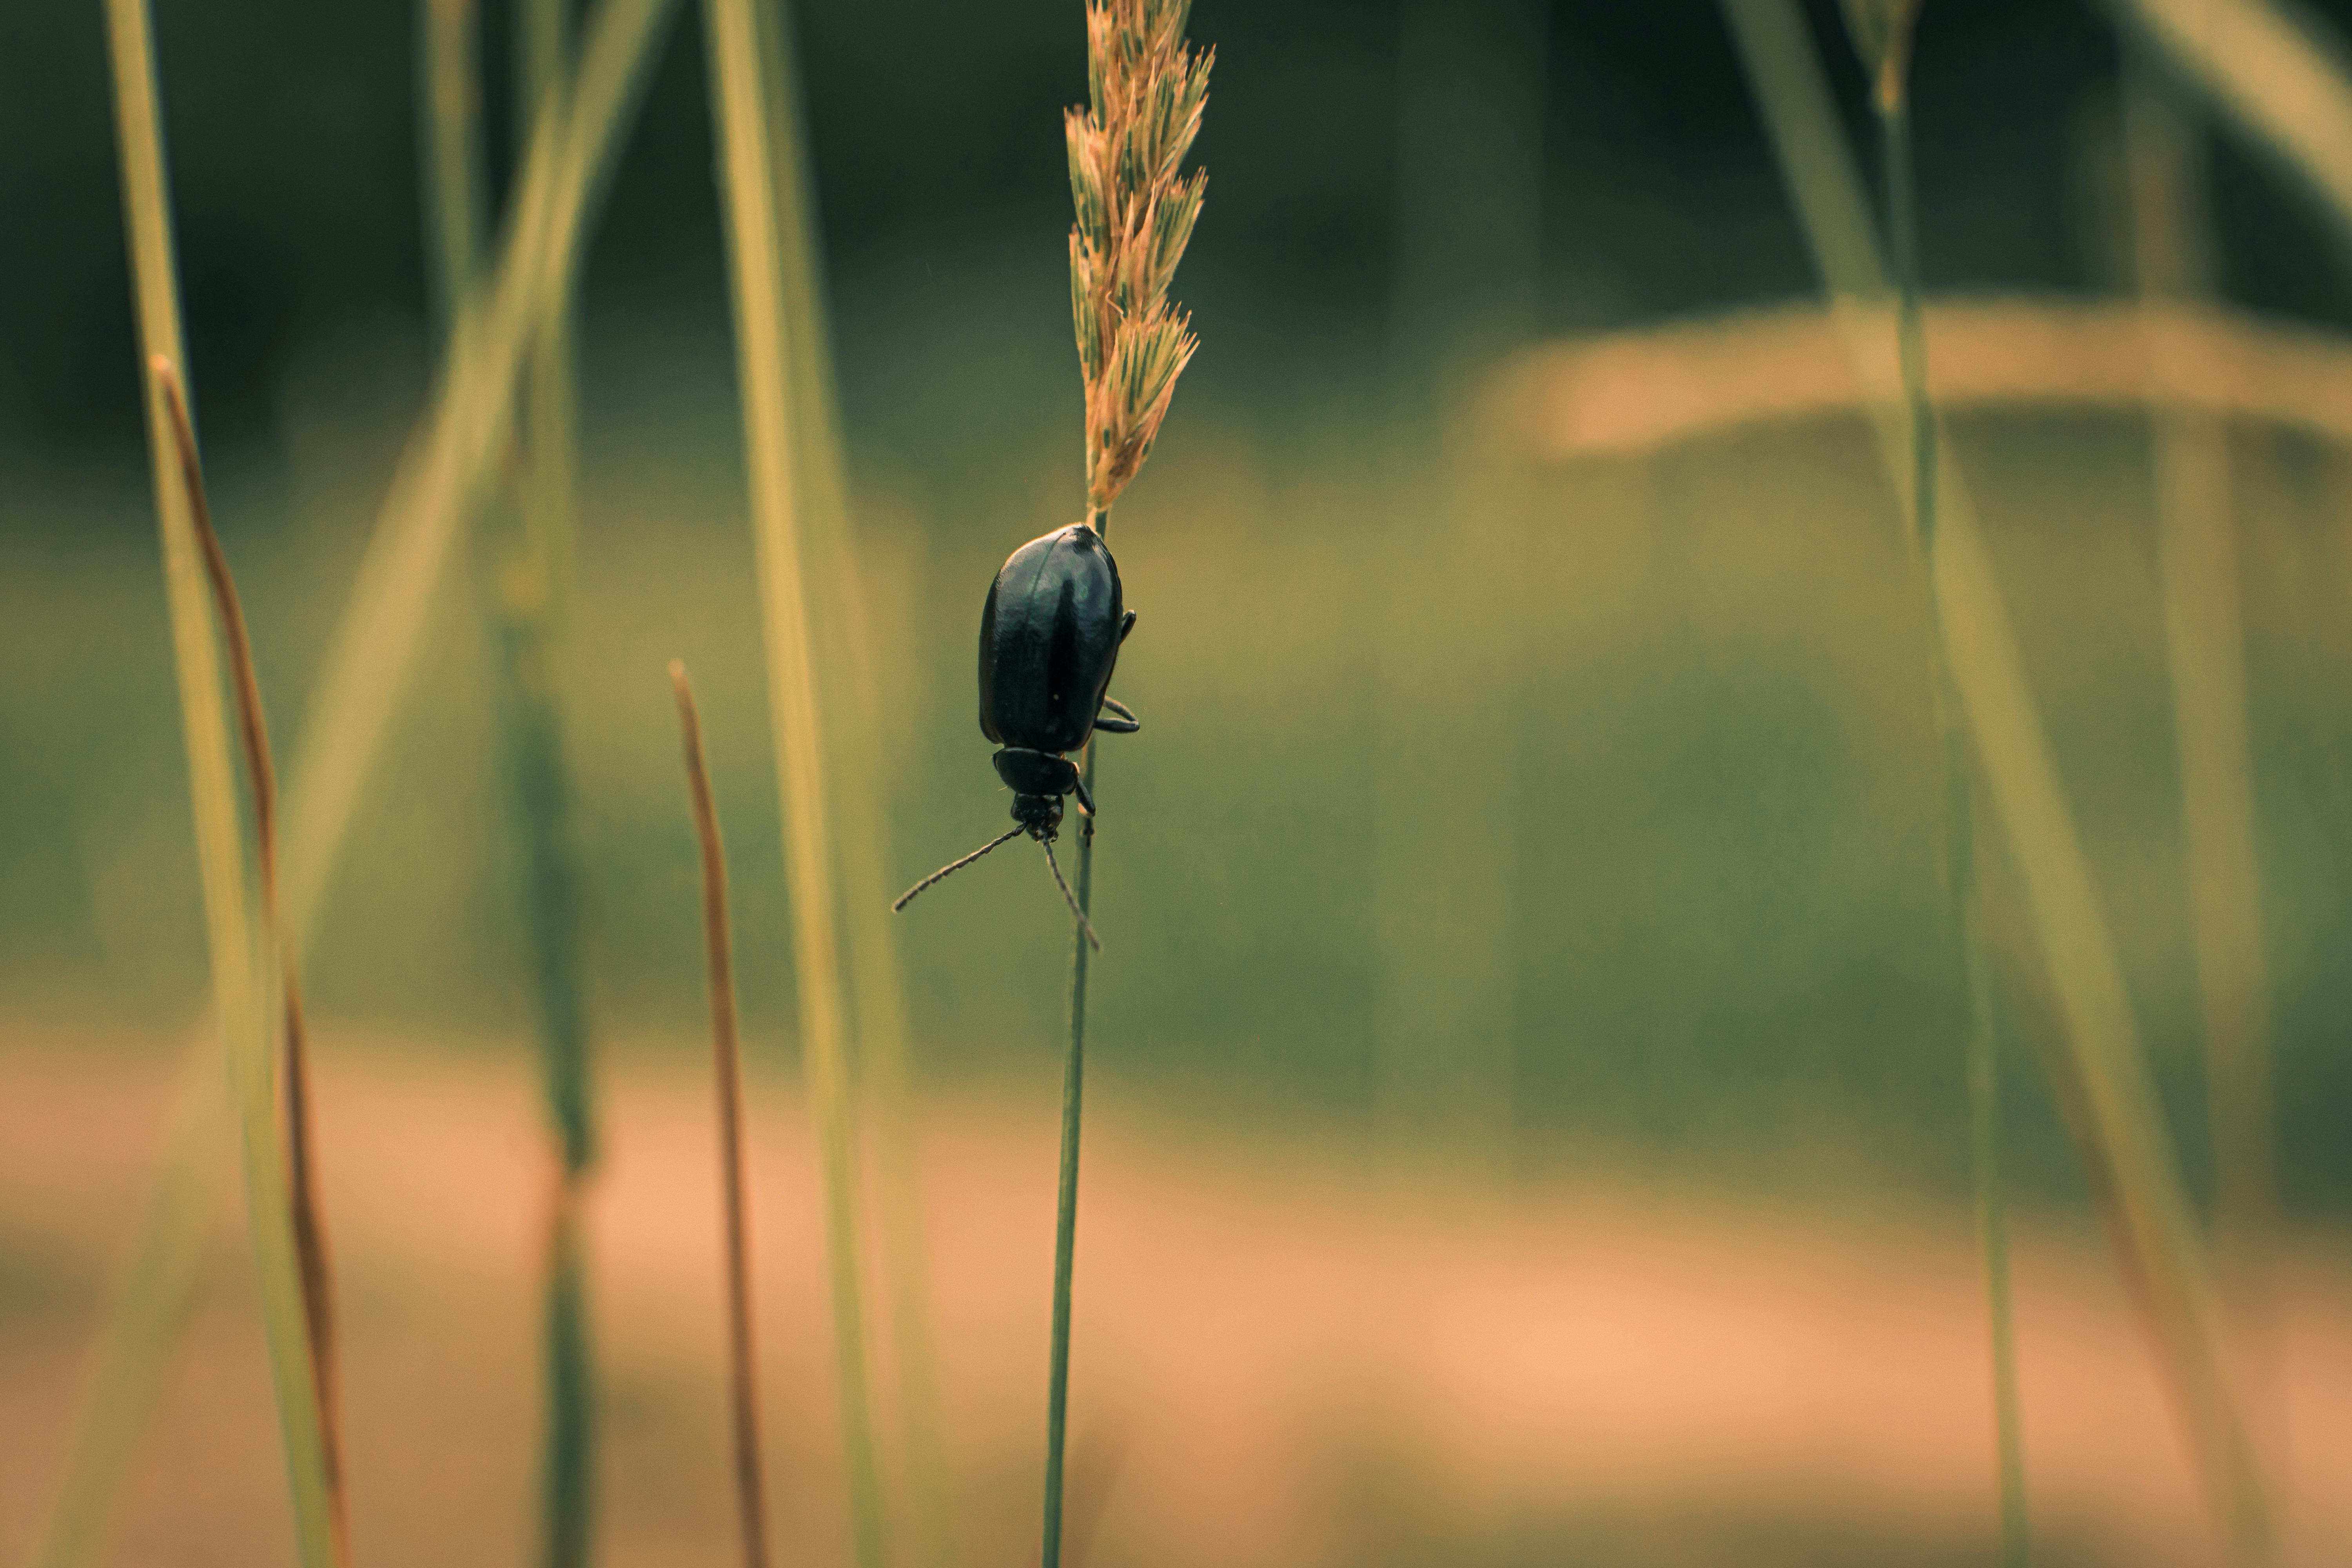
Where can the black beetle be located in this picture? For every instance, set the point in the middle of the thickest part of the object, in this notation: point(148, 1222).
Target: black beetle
point(1049, 638)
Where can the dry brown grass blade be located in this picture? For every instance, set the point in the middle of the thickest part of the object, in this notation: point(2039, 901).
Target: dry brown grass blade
point(726, 1067)
point(308, 1215)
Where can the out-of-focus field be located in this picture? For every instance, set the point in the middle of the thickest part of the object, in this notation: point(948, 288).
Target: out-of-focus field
point(1281, 1359)
point(1667, 719)
point(1527, 1064)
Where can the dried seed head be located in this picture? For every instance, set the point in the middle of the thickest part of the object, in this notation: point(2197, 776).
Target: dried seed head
point(1145, 90)
point(1881, 31)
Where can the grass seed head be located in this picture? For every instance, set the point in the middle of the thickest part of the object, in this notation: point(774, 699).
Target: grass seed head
point(1881, 31)
point(1145, 91)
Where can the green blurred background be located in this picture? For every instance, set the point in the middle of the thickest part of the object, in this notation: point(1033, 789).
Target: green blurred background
point(1567, 826)
point(1577, 814)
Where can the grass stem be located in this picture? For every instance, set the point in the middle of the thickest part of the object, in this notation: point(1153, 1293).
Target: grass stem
point(244, 971)
point(531, 543)
point(526, 530)
point(373, 651)
point(727, 1070)
point(2126, 1144)
point(2205, 636)
point(742, 130)
point(1066, 1205)
point(1898, 170)
point(861, 789)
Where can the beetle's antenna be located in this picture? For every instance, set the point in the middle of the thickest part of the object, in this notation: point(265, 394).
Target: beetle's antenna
point(1055, 866)
point(954, 865)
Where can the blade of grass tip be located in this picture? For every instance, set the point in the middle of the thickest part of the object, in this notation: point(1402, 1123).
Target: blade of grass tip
point(2148, 1213)
point(1892, 100)
point(244, 973)
point(877, 976)
point(310, 1247)
point(748, 191)
point(2190, 452)
point(727, 1068)
point(374, 646)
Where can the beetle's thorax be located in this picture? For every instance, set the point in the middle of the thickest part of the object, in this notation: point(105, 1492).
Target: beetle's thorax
point(1028, 771)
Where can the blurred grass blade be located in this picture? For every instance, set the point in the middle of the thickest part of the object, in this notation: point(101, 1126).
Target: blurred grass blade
point(1882, 33)
point(2274, 68)
point(530, 548)
point(741, 130)
point(550, 391)
point(727, 1074)
point(2171, 229)
point(861, 786)
point(2130, 1150)
point(449, 151)
point(470, 423)
point(244, 976)
point(355, 695)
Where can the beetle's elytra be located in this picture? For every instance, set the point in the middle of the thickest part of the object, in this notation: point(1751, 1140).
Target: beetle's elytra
point(1049, 638)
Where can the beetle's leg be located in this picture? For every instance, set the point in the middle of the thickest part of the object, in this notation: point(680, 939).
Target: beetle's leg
point(1117, 718)
point(1125, 626)
point(1085, 801)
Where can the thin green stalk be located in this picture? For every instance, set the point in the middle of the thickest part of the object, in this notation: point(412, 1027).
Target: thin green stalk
point(1135, 209)
point(1066, 1206)
point(1892, 103)
point(527, 544)
point(742, 129)
point(533, 549)
point(2126, 1143)
point(374, 649)
point(877, 979)
point(246, 982)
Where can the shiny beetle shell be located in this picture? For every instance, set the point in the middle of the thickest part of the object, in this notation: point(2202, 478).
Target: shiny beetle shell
point(1049, 637)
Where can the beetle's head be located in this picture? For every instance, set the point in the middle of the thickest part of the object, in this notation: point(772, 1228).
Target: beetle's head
point(1041, 814)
